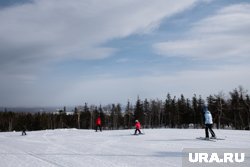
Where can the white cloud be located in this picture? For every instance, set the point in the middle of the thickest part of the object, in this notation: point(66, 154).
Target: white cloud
point(50, 29)
point(224, 35)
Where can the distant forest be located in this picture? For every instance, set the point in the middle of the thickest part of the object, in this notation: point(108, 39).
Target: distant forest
point(229, 111)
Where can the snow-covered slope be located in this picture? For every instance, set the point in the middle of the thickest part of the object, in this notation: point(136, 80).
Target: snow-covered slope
point(74, 148)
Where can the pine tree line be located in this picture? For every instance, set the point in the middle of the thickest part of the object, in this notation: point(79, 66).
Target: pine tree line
point(228, 112)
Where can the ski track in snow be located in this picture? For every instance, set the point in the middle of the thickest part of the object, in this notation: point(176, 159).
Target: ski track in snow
point(71, 147)
point(72, 152)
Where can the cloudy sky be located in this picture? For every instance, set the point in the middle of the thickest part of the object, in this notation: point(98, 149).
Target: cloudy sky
point(61, 52)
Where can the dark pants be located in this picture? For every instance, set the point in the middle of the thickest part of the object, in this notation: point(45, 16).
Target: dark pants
point(138, 131)
point(23, 132)
point(209, 127)
point(98, 126)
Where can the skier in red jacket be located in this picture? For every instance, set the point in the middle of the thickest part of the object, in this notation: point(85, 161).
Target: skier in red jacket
point(137, 127)
point(98, 123)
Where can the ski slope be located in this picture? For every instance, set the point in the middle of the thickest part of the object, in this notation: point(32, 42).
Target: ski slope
point(118, 148)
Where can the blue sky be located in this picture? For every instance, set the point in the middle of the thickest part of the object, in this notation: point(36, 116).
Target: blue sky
point(56, 53)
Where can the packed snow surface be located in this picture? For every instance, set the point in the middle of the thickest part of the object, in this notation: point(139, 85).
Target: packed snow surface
point(118, 148)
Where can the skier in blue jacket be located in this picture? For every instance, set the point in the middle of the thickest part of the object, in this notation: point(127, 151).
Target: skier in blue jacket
point(208, 123)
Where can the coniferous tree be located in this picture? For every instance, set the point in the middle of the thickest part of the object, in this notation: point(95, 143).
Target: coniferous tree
point(86, 117)
point(120, 119)
point(235, 108)
point(188, 114)
point(184, 113)
point(138, 111)
point(247, 105)
point(195, 110)
point(168, 110)
point(155, 114)
point(147, 113)
point(128, 117)
point(113, 117)
point(174, 114)
point(77, 114)
point(181, 111)
point(200, 113)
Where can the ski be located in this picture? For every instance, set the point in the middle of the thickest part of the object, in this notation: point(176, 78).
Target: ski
point(219, 139)
point(206, 139)
point(138, 134)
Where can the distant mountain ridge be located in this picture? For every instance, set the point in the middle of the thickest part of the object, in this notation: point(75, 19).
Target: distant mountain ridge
point(35, 109)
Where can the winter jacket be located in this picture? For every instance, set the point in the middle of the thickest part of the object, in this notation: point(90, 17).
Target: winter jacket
point(208, 117)
point(137, 125)
point(98, 121)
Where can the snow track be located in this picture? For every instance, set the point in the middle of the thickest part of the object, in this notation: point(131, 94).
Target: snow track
point(71, 147)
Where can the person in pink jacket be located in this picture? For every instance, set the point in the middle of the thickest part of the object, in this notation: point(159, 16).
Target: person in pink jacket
point(137, 127)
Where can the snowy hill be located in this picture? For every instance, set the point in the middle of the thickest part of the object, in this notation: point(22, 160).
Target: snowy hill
point(74, 148)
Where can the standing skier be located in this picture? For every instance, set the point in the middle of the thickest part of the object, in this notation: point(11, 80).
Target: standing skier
point(24, 131)
point(137, 127)
point(208, 123)
point(98, 123)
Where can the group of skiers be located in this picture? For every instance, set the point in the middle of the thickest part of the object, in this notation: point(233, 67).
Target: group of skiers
point(207, 117)
point(99, 125)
